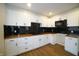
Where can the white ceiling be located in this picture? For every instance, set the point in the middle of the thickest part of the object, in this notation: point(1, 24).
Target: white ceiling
point(45, 8)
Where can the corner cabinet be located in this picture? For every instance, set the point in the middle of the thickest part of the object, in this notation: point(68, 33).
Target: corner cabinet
point(57, 38)
point(72, 45)
point(52, 38)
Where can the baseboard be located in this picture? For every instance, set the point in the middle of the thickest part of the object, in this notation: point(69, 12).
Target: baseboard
point(52, 43)
point(60, 44)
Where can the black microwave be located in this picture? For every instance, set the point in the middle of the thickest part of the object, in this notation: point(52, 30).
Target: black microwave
point(61, 23)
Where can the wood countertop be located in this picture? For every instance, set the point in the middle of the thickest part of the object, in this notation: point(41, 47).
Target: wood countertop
point(17, 36)
point(24, 35)
point(73, 36)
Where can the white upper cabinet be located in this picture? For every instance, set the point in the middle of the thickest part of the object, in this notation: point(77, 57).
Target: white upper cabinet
point(73, 20)
point(72, 17)
point(11, 18)
point(23, 19)
point(17, 17)
point(20, 17)
point(45, 22)
point(49, 24)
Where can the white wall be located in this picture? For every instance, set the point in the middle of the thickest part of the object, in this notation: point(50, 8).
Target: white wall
point(21, 16)
point(2, 18)
point(72, 17)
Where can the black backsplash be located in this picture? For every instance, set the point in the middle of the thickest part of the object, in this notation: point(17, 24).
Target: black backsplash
point(14, 30)
point(24, 30)
point(75, 30)
point(61, 30)
point(46, 29)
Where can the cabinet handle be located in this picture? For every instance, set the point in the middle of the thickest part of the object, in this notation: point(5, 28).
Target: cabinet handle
point(11, 40)
point(25, 42)
point(75, 44)
point(26, 38)
point(26, 48)
point(39, 39)
point(16, 44)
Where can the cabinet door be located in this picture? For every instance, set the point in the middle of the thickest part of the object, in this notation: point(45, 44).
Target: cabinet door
point(74, 46)
point(52, 39)
point(41, 40)
point(11, 17)
point(67, 44)
point(11, 47)
point(34, 42)
point(46, 40)
point(73, 19)
point(60, 38)
point(71, 45)
point(31, 43)
point(22, 44)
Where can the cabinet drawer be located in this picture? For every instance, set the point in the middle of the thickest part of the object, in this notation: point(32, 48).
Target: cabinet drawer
point(22, 40)
point(10, 44)
point(11, 47)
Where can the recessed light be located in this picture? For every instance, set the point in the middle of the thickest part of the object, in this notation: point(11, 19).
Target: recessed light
point(29, 4)
point(50, 13)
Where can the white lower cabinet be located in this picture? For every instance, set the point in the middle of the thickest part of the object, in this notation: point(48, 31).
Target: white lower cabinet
point(11, 47)
point(19, 45)
point(46, 40)
point(52, 38)
point(23, 44)
point(72, 45)
point(56, 38)
point(42, 40)
point(60, 38)
point(35, 42)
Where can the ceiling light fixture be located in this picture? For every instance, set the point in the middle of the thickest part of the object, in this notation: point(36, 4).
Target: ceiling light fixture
point(29, 4)
point(50, 14)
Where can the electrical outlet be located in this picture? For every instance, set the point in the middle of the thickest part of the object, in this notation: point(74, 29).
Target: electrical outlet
point(52, 30)
point(72, 31)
